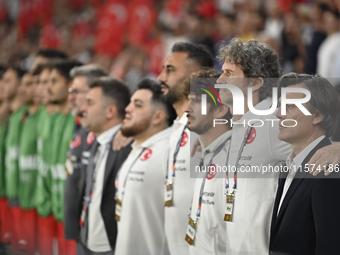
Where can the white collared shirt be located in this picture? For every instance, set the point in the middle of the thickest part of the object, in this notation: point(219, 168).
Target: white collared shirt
point(176, 216)
point(97, 240)
point(141, 226)
point(211, 229)
point(294, 163)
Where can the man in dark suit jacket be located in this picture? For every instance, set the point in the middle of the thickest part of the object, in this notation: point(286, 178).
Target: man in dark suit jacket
point(306, 211)
point(82, 140)
point(102, 114)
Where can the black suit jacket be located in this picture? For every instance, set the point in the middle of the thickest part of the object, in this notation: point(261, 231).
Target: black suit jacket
point(72, 198)
point(108, 204)
point(308, 221)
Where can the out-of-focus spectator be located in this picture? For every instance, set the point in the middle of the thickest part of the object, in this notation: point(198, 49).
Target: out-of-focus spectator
point(318, 37)
point(330, 47)
point(293, 49)
point(274, 24)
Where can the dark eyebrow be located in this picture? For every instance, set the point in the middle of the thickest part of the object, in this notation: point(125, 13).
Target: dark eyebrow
point(169, 66)
point(138, 100)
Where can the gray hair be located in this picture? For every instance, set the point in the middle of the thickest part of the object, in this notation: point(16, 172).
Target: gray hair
point(254, 59)
point(90, 71)
point(324, 98)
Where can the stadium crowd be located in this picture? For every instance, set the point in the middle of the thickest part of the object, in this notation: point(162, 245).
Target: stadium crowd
point(97, 108)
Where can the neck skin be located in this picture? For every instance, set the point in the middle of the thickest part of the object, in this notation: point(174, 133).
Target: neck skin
point(212, 134)
point(107, 126)
point(64, 108)
point(51, 108)
point(299, 146)
point(15, 104)
point(142, 137)
point(33, 108)
point(179, 107)
point(256, 100)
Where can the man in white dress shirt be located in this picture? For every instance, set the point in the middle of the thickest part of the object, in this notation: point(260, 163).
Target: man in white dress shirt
point(140, 183)
point(103, 113)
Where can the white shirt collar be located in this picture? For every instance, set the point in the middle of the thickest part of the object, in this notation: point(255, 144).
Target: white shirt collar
point(182, 120)
point(154, 139)
point(105, 137)
point(217, 142)
point(294, 163)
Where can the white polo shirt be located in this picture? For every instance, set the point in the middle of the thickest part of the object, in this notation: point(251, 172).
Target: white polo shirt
point(176, 216)
point(141, 226)
point(249, 231)
point(210, 228)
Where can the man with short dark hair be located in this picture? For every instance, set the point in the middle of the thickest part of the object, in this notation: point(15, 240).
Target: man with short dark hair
point(79, 147)
point(45, 55)
point(140, 182)
point(305, 216)
point(102, 114)
point(53, 148)
point(185, 59)
point(207, 207)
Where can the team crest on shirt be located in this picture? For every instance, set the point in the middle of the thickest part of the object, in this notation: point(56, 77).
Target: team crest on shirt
point(212, 172)
point(90, 138)
point(146, 155)
point(75, 143)
point(251, 136)
point(185, 139)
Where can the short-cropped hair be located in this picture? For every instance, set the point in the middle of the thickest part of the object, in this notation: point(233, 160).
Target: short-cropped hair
point(115, 90)
point(90, 71)
point(159, 98)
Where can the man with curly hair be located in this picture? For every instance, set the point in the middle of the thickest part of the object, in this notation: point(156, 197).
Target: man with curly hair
point(254, 69)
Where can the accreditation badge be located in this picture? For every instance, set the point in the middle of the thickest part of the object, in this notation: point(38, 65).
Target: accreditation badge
point(118, 210)
point(191, 230)
point(69, 165)
point(168, 194)
point(229, 207)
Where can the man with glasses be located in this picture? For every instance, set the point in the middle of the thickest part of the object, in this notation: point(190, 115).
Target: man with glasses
point(80, 145)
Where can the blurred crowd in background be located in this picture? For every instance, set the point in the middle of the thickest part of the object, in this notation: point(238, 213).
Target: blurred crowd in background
point(131, 38)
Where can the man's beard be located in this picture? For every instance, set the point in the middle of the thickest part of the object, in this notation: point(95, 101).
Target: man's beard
point(172, 96)
point(137, 129)
point(201, 128)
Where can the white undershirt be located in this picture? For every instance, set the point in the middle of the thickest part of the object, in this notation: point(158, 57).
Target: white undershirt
point(294, 163)
point(97, 240)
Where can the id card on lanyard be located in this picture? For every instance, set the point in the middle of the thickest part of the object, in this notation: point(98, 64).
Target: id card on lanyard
point(230, 196)
point(191, 229)
point(88, 197)
point(119, 202)
point(169, 184)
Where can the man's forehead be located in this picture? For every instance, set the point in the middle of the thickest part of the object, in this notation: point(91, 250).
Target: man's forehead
point(176, 58)
point(143, 95)
point(292, 95)
point(94, 92)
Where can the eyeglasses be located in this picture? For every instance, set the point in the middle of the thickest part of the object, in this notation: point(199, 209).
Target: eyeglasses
point(77, 91)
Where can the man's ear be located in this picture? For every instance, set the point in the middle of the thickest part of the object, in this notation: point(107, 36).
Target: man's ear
point(158, 117)
point(317, 118)
point(256, 83)
point(111, 111)
point(221, 111)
